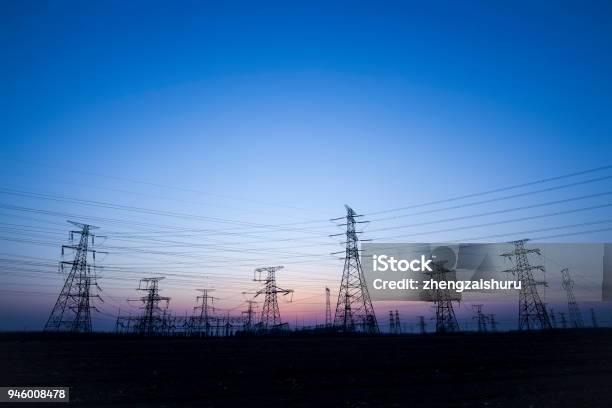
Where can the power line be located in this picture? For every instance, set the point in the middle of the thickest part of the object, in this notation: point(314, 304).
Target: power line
point(496, 212)
point(495, 190)
point(494, 200)
point(134, 181)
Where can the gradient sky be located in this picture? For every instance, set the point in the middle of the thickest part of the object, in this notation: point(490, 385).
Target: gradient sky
point(270, 114)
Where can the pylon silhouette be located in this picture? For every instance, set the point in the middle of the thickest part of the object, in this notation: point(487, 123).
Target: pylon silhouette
point(354, 311)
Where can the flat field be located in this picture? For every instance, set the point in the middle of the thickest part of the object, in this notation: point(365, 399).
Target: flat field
point(561, 368)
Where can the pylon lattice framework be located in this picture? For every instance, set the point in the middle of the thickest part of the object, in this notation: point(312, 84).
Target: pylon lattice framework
point(574, 311)
point(532, 312)
point(398, 327)
point(328, 318)
point(206, 307)
point(270, 314)
point(481, 318)
point(72, 310)
point(249, 316)
point(354, 308)
point(446, 321)
point(422, 325)
point(154, 319)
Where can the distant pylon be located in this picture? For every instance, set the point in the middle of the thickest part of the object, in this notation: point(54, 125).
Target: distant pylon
point(249, 316)
point(480, 317)
point(204, 303)
point(422, 324)
point(228, 326)
point(398, 327)
point(391, 322)
point(532, 313)
point(553, 318)
point(72, 309)
point(574, 314)
point(493, 322)
point(593, 318)
point(563, 320)
point(270, 314)
point(354, 309)
point(328, 318)
point(153, 318)
point(446, 321)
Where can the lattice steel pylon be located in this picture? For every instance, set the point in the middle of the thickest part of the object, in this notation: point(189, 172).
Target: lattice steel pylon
point(422, 325)
point(563, 320)
point(553, 318)
point(446, 321)
point(248, 317)
point(493, 323)
point(532, 312)
point(204, 303)
point(481, 318)
point(153, 319)
point(593, 318)
point(398, 326)
point(328, 318)
point(72, 310)
point(575, 316)
point(270, 313)
point(354, 309)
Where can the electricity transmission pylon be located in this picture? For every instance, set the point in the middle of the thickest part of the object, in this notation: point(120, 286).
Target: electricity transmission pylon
point(270, 314)
point(481, 318)
point(205, 304)
point(153, 319)
point(553, 318)
point(446, 321)
point(249, 316)
point(398, 327)
point(391, 322)
point(328, 318)
point(593, 318)
point(354, 309)
point(563, 320)
point(574, 314)
point(532, 313)
point(493, 323)
point(72, 310)
point(422, 325)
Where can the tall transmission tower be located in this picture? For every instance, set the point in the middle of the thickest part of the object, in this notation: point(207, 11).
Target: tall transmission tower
point(446, 321)
point(72, 309)
point(574, 314)
point(205, 304)
point(270, 314)
point(328, 318)
point(354, 308)
point(391, 322)
point(532, 313)
point(153, 319)
point(422, 324)
point(481, 318)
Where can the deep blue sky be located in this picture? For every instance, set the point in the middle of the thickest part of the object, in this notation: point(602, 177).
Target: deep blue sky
point(272, 113)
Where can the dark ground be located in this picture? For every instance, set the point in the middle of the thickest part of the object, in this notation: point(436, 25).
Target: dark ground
point(565, 368)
